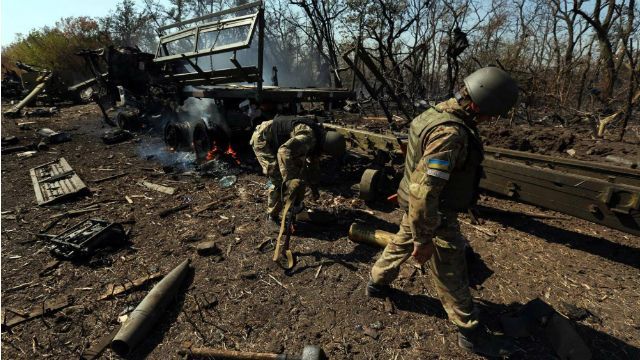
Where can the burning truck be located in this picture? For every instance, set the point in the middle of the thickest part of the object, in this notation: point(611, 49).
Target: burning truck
point(203, 85)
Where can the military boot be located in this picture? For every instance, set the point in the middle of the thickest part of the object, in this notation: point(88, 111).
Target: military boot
point(482, 342)
point(377, 290)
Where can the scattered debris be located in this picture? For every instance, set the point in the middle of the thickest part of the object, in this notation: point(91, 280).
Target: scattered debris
point(116, 136)
point(175, 209)
point(42, 112)
point(98, 348)
point(228, 181)
point(53, 137)
point(25, 125)
point(377, 325)
point(113, 289)
point(480, 229)
point(84, 238)
point(215, 203)
point(27, 154)
point(193, 236)
point(15, 149)
point(207, 248)
point(369, 331)
point(45, 308)
point(161, 188)
point(149, 310)
point(111, 177)
point(55, 180)
point(18, 287)
point(9, 140)
point(310, 352)
point(571, 152)
point(71, 213)
point(49, 267)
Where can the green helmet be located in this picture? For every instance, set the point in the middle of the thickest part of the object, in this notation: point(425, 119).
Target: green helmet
point(493, 90)
point(334, 144)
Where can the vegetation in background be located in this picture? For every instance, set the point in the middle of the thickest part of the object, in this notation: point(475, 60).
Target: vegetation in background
point(53, 48)
point(575, 60)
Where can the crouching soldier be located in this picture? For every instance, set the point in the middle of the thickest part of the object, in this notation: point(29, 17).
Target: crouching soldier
point(288, 148)
point(441, 174)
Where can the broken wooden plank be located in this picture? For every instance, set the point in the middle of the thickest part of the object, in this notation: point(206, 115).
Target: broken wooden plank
point(161, 188)
point(107, 178)
point(171, 210)
point(49, 267)
point(44, 308)
point(98, 348)
point(213, 204)
point(113, 290)
point(71, 213)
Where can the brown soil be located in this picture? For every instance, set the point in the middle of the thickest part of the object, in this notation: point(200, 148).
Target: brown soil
point(558, 140)
point(241, 300)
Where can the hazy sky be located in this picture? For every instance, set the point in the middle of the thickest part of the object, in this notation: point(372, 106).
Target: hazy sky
point(20, 16)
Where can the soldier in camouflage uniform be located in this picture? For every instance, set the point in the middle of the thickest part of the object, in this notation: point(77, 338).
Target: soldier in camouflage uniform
point(287, 148)
point(442, 170)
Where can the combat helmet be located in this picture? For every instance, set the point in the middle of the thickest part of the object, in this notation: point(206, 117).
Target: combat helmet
point(334, 144)
point(492, 89)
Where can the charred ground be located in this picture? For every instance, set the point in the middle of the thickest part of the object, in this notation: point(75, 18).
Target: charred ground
point(240, 300)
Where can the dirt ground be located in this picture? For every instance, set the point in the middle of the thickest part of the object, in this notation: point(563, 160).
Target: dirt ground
point(240, 300)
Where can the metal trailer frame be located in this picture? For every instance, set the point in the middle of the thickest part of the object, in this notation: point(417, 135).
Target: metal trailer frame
point(596, 192)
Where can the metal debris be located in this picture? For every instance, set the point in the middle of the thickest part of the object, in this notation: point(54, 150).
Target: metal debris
point(84, 238)
point(53, 137)
point(55, 181)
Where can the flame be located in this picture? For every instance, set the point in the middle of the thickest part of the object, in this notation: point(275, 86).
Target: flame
point(230, 152)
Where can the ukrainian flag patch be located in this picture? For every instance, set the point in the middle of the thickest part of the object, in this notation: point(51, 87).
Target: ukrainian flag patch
point(438, 164)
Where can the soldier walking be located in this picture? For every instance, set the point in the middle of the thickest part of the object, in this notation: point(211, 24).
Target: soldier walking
point(288, 148)
point(442, 171)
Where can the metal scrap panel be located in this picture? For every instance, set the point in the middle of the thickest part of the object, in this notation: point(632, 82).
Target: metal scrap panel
point(55, 181)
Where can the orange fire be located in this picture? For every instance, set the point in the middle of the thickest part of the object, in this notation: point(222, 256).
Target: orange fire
point(215, 151)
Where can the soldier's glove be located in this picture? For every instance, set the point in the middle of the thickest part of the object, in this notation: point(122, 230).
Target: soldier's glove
point(423, 252)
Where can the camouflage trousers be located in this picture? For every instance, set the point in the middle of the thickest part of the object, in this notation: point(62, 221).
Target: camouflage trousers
point(269, 162)
point(448, 266)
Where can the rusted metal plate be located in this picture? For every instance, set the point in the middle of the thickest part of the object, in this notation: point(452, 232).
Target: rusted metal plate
point(613, 205)
point(55, 181)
